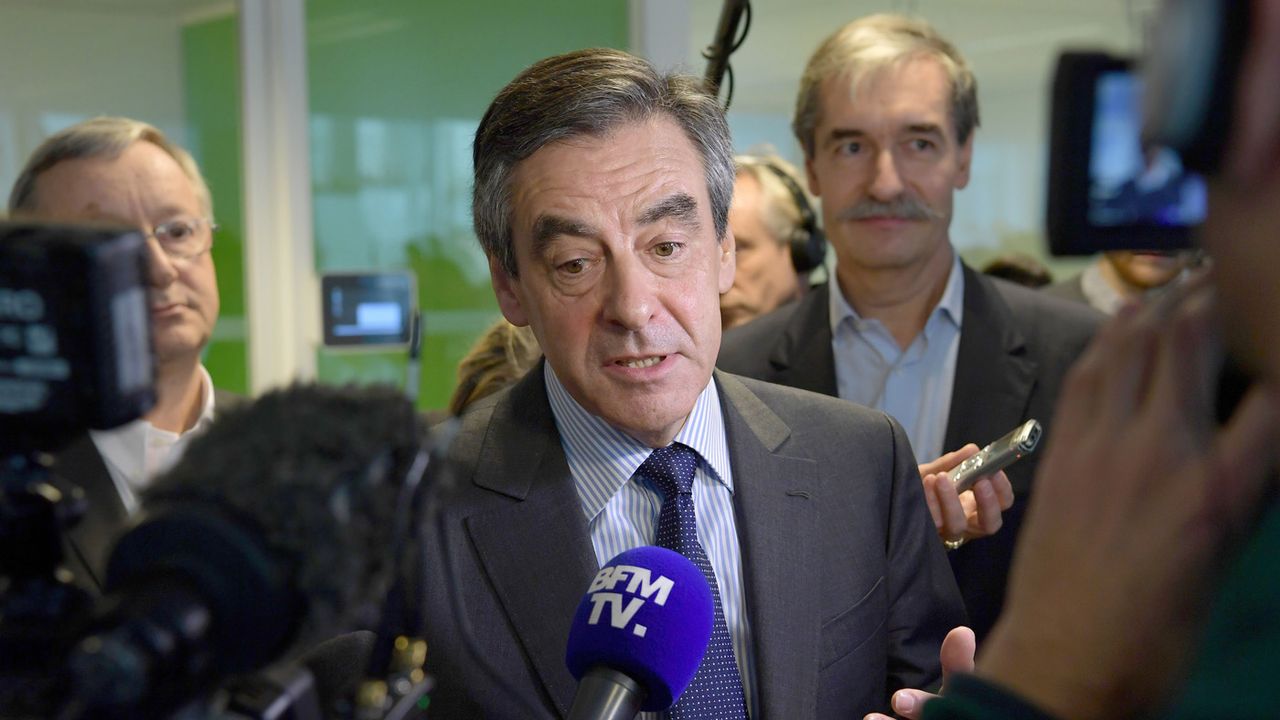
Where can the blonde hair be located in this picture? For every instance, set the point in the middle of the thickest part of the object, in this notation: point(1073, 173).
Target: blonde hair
point(100, 137)
point(501, 356)
point(874, 43)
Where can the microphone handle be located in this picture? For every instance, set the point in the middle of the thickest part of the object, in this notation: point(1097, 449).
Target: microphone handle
point(606, 694)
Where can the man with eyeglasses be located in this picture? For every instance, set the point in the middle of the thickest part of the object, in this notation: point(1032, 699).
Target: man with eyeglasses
point(124, 172)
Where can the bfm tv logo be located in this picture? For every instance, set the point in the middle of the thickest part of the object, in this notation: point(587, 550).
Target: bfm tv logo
point(638, 581)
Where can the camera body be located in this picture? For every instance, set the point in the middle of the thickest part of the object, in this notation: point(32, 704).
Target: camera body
point(1108, 188)
point(75, 332)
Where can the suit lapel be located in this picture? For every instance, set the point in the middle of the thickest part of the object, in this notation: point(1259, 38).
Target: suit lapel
point(80, 465)
point(536, 551)
point(994, 377)
point(802, 357)
point(776, 504)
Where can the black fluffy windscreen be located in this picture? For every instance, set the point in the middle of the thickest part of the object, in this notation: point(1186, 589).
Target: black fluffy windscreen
point(318, 472)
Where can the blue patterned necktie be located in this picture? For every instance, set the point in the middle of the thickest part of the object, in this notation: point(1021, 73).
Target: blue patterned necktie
point(716, 689)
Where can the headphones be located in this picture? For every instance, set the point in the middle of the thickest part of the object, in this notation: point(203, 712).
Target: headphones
point(1191, 72)
point(807, 241)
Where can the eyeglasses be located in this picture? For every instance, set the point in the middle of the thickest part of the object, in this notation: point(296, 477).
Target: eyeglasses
point(184, 238)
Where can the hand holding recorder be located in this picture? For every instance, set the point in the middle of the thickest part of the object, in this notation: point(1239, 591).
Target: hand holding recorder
point(967, 490)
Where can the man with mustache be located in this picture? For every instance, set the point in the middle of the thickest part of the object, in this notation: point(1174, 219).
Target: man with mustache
point(886, 114)
point(126, 173)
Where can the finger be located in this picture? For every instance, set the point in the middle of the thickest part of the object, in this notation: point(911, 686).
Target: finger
point(1185, 364)
point(1004, 489)
point(910, 703)
point(988, 515)
point(1243, 457)
point(1129, 347)
point(930, 483)
point(949, 460)
point(958, 650)
point(954, 519)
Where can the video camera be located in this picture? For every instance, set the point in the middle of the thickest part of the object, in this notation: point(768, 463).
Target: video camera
point(1124, 157)
point(75, 344)
point(213, 599)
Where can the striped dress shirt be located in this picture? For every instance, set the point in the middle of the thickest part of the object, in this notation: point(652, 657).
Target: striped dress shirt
point(622, 509)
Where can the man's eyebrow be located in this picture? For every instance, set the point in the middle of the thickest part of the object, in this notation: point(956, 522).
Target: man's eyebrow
point(681, 207)
point(838, 134)
point(925, 129)
point(549, 227)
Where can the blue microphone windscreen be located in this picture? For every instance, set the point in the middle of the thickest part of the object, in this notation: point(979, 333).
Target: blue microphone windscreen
point(648, 614)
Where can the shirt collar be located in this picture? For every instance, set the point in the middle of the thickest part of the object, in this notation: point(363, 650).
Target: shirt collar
point(602, 458)
point(950, 305)
point(125, 448)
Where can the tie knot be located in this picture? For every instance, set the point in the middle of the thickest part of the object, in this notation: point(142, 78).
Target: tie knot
point(671, 468)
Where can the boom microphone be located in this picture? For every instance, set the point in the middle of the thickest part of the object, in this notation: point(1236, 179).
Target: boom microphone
point(639, 634)
point(274, 531)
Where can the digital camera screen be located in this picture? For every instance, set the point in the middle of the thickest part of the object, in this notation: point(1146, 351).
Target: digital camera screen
point(1129, 183)
point(367, 309)
point(1107, 191)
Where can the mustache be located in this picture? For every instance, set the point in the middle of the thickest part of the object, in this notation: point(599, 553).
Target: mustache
point(903, 208)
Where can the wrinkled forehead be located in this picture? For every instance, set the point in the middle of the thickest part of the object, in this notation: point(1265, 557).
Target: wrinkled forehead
point(920, 75)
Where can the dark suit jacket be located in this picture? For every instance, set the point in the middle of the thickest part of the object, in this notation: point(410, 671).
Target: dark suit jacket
point(87, 546)
point(1015, 347)
point(848, 591)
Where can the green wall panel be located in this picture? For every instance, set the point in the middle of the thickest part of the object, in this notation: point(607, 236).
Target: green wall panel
point(396, 89)
point(211, 82)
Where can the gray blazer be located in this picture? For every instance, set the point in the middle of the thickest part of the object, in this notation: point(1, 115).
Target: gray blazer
point(1016, 345)
point(848, 591)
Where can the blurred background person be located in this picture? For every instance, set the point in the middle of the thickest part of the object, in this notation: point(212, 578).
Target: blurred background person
point(126, 173)
point(502, 355)
point(1122, 275)
point(779, 242)
point(1019, 268)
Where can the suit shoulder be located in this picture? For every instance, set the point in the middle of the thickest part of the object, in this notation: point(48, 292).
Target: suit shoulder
point(746, 348)
point(1047, 316)
point(802, 408)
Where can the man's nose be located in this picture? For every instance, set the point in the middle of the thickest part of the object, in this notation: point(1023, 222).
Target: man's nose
point(161, 271)
point(887, 184)
point(629, 293)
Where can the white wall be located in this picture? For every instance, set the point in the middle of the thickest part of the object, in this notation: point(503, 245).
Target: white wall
point(59, 66)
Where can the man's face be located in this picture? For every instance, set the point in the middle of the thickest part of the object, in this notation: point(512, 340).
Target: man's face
point(886, 163)
point(765, 277)
point(143, 188)
point(620, 272)
point(1147, 270)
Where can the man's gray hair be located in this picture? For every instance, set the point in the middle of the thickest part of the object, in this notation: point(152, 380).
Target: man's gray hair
point(587, 92)
point(100, 137)
point(779, 211)
point(873, 43)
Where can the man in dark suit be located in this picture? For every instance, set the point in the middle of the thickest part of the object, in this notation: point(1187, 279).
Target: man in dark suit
point(127, 173)
point(886, 117)
point(601, 199)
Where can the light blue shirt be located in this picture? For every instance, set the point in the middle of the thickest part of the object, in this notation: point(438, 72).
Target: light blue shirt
point(622, 509)
point(913, 385)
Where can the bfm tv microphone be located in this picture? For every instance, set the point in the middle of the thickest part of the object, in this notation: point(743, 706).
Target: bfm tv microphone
point(639, 634)
point(273, 532)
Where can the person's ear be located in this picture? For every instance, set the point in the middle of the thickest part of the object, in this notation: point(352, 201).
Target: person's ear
point(507, 289)
point(728, 260)
point(1253, 151)
point(965, 161)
